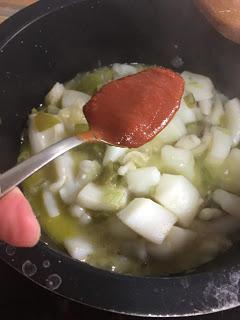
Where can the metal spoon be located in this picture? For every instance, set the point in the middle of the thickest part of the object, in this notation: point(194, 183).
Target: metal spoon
point(22, 171)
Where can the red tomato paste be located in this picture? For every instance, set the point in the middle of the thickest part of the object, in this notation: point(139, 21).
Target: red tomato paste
point(131, 111)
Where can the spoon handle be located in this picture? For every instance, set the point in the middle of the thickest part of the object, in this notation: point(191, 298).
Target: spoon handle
point(25, 169)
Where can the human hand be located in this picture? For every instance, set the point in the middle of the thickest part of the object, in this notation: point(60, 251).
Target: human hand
point(18, 224)
point(224, 15)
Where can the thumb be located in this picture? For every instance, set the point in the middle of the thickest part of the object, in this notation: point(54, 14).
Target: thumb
point(18, 224)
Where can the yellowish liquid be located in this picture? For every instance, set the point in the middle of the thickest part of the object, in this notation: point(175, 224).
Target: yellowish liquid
point(110, 252)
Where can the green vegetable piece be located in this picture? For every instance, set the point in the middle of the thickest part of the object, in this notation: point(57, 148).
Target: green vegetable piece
point(109, 174)
point(97, 151)
point(205, 179)
point(25, 150)
point(24, 155)
point(223, 130)
point(195, 128)
point(52, 109)
point(92, 151)
point(190, 100)
point(115, 197)
point(93, 81)
point(223, 121)
point(81, 127)
point(208, 179)
point(34, 110)
point(44, 121)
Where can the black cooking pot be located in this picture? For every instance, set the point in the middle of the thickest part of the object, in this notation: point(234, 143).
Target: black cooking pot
point(52, 41)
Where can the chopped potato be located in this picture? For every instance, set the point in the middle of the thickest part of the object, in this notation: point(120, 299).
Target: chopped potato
point(147, 218)
point(100, 198)
point(179, 161)
point(140, 181)
point(55, 95)
point(173, 131)
point(163, 208)
point(178, 195)
point(79, 248)
point(177, 241)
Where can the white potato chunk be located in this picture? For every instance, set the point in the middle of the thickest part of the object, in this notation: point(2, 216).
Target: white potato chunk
point(217, 111)
point(206, 106)
point(207, 214)
point(180, 161)
point(123, 170)
point(186, 114)
point(199, 115)
point(229, 202)
point(79, 248)
point(74, 98)
point(177, 241)
point(173, 131)
point(141, 180)
point(89, 170)
point(50, 203)
point(123, 70)
point(138, 158)
point(113, 154)
point(72, 116)
point(204, 145)
point(78, 212)
point(95, 197)
point(188, 142)
point(55, 95)
point(230, 173)
point(90, 167)
point(225, 225)
point(53, 109)
point(200, 86)
point(69, 191)
point(64, 170)
point(232, 119)
point(219, 148)
point(148, 219)
point(178, 195)
point(40, 140)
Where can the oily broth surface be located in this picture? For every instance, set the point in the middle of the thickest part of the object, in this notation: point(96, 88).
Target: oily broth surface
point(111, 252)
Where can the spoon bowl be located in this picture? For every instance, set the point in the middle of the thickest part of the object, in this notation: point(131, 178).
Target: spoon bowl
point(108, 115)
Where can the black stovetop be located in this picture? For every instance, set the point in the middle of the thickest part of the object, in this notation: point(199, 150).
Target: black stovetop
point(22, 299)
